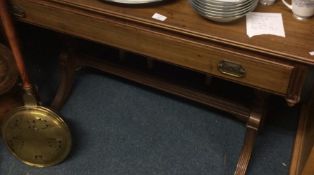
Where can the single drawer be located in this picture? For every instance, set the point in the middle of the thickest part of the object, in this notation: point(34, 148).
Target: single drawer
point(230, 65)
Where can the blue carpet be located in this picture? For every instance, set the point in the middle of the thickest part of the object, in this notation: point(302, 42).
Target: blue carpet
point(120, 128)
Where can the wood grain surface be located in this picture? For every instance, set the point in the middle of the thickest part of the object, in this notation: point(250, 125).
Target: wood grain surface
point(183, 19)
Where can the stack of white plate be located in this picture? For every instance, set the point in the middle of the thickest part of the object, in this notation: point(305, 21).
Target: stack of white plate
point(223, 10)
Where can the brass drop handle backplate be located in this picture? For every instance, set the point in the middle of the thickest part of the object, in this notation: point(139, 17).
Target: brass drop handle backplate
point(231, 69)
point(18, 12)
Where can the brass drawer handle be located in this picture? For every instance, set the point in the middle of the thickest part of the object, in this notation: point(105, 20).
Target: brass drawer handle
point(231, 69)
point(18, 12)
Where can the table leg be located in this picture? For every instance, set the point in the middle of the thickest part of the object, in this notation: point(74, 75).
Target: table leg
point(70, 63)
point(302, 160)
point(252, 126)
point(68, 67)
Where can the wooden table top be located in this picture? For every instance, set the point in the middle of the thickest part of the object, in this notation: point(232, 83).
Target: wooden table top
point(181, 18)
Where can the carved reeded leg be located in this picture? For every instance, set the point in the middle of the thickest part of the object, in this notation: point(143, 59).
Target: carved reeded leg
point(246, 151)
point(252, 126)
point(68, 66)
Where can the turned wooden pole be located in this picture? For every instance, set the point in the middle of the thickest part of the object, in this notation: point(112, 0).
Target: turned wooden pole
point(10, 33)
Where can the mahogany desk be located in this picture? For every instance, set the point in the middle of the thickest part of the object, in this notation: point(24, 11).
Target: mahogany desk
point(270, 64)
